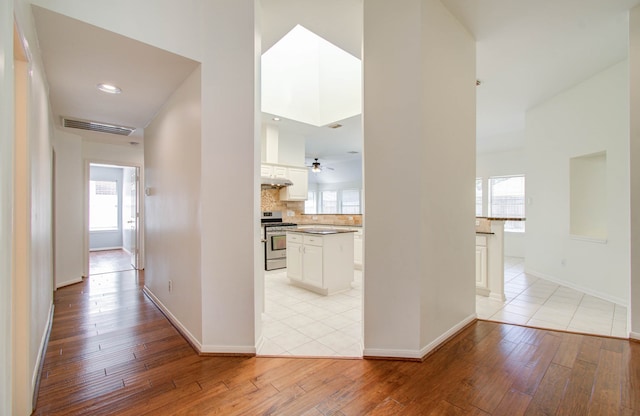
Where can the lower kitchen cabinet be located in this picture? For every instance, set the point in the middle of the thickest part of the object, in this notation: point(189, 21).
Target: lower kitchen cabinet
point(482, 287)
point(322, 263)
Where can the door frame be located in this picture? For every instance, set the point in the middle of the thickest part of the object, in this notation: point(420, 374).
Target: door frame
point(140, 228)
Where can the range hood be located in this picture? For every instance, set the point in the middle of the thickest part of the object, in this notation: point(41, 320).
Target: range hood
point(274, 183)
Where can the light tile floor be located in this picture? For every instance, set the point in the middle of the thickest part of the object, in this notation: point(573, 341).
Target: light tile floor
point(537, 302)
point(298, 322)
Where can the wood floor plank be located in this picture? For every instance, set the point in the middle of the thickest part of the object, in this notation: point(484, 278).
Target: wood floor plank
point(606, 397)
point(578, 393)
point(550, 391)
point(111, 351)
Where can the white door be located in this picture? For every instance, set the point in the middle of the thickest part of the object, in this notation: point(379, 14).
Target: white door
point(130, 213)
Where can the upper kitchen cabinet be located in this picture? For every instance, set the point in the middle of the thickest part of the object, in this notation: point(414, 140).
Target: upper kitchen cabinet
point(273, 171)
point(299, 190)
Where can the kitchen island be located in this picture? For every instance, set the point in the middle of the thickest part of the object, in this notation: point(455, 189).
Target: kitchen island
point(490, 256)
point(320, 259)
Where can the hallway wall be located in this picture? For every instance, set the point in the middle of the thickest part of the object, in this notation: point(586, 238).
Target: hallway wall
point(6, 200)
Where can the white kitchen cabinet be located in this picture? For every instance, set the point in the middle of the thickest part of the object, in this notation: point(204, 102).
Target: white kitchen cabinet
point(294, 256)
point(357, 249)
point(482, 287)
point(299, 190)
point(322, 263)
point(273, 171)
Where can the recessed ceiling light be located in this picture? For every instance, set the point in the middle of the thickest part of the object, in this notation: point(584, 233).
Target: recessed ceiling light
point(276, 119)
point(109, 88)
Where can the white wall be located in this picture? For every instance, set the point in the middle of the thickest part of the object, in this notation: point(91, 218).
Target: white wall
point(173, 206)
point(6, 201)
point(32, 293)
point(69, 212)
point(230, 149)
point(418, 254)
point(634, 78)
point(589, 118)
point(73, 154)
point(504, 163)
point(230, 139)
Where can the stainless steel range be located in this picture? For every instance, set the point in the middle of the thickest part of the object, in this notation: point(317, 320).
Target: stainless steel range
point(275, 232)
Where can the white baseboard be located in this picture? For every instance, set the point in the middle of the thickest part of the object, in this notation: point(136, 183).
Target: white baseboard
point(421, 353)
point(106, 248)
point(634, 335)
point(68, 282)
point(202, 349)
point(588, 291)
point(175, 321)
point(42, 350)
point(444, 337)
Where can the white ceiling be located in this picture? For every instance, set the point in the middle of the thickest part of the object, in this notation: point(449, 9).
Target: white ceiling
point(78, 56)
point(527, 52)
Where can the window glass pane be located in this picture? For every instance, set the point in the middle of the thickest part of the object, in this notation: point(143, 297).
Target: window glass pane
point(506, 199)
point(478, 197)
point(351, 201)
point(103, 205)
point(328, 202)
point(310, 203)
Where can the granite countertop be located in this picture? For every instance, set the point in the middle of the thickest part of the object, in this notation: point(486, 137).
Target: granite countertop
point(313, 224)
point(320, 231)
point(503, 218)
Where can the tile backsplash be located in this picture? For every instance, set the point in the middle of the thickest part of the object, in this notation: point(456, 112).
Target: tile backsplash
point(270, 201)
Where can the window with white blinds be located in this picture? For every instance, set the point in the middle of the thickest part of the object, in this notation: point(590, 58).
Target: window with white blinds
point(103, 205)
point(478, 197)
point(507, 199)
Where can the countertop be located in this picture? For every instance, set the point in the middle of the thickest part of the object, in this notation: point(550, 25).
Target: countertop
point(503, 218)
point(317, 224)
point(320, 231)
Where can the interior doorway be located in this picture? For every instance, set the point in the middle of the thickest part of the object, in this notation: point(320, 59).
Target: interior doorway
point(114, 218)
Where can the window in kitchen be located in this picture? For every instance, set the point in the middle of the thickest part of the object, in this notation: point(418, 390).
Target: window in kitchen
point(350, 201)
point(506, 199)
point(103, 201)
point(478, 197)
point(310, 205)
point(329, 202)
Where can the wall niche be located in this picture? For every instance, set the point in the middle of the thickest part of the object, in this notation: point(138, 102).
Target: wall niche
point(588, 197)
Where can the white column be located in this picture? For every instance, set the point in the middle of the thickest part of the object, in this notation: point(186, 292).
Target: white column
point(634, 154)
point(230, 176)
point(6, 201)
point(419, 157)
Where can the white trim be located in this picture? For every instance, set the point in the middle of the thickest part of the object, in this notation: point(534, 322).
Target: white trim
point(444, 337)
point(106, 249)
point(634, 335)
point(43, 348)
point(421, 353)
point(181, 328)
point(588, 291)
point(68, 282)
point(228, 349)
point(259, 343)
point(588, 239)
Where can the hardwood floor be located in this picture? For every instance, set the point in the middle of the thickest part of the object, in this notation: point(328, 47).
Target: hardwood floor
point(109, 261)
point(111, 351)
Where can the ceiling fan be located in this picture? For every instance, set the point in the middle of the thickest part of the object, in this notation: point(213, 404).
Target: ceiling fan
point(315, 166)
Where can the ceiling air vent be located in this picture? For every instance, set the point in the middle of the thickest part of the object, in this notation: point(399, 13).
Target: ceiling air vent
point(95, 126)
